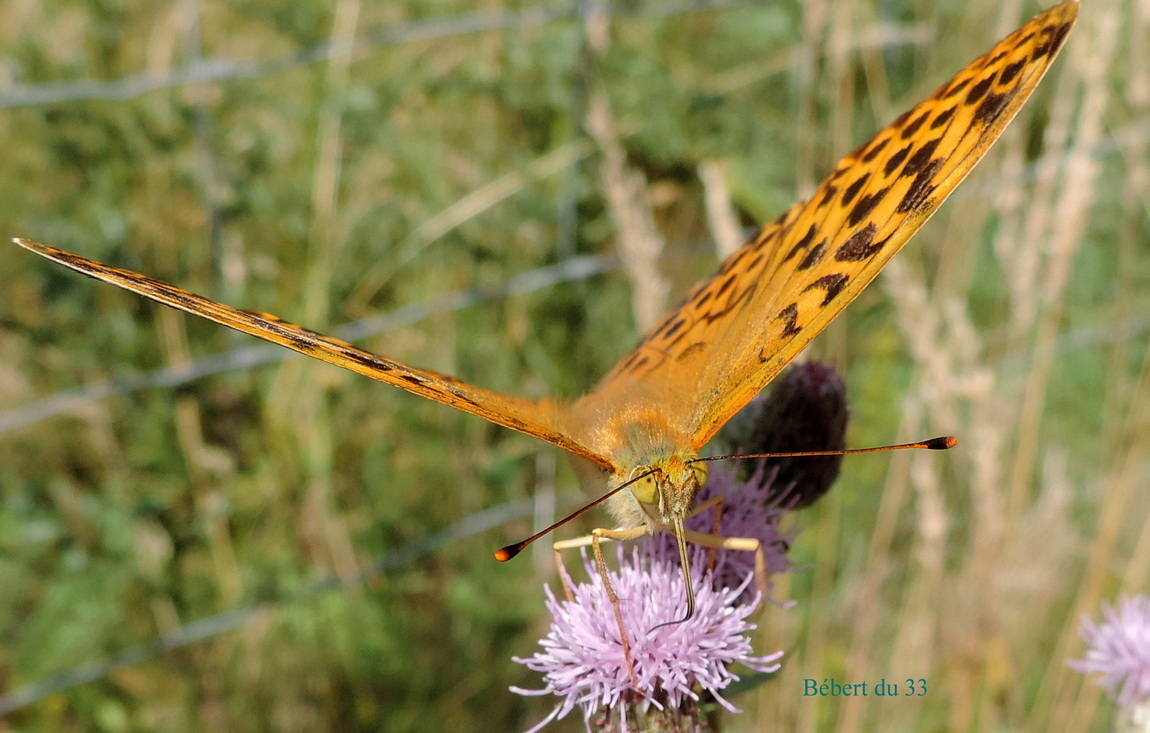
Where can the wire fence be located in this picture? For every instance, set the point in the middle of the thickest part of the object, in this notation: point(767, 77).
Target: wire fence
point(224, 70)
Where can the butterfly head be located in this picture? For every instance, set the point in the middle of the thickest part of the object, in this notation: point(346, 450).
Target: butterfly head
point(664, 494)
point(667, 490)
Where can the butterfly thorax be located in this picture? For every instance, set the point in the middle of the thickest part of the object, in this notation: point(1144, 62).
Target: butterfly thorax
point(642, 444)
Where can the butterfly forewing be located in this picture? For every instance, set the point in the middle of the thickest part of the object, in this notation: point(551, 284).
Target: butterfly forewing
point(737, 330)
point(541, 419)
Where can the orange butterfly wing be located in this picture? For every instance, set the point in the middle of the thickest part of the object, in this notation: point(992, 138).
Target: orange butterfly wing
point(737, 330)
point(541, 419)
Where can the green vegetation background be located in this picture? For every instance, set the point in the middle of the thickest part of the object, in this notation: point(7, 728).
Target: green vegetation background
point(447, 152)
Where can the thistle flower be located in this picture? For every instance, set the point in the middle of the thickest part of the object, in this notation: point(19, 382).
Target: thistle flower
point(1119, 649)
point(582, 658)
point(674, 664)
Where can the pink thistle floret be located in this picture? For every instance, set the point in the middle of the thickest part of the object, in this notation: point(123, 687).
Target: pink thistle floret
point(1119, 650)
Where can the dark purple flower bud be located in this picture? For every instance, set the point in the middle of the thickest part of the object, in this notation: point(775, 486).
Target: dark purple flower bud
point(805, 410)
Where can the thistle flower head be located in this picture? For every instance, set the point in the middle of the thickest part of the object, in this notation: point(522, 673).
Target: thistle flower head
point(1119, 650)
point(582, 658)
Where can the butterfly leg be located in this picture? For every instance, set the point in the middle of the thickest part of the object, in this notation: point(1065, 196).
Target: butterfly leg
point(717, 503)
point(743, 544)
point(558, 548)
point(595, 539)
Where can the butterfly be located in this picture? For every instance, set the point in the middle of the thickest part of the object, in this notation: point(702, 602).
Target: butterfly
point(639, 432)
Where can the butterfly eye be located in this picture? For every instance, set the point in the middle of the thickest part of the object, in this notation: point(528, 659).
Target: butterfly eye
point(700, 471)
point(645, 490)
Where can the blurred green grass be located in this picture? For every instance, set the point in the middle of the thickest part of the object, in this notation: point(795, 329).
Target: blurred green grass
point(319, 191)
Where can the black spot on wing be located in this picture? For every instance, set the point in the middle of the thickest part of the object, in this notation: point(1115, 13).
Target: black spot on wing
point(865, 206)
point(876, 147)
point(854, 188)
point(733, 261)
point(993, 61)
point(979, 90)
point(771, 235)
point(802, 244)
point(992, 106)
point(901, 119)
point(670, 328)
point(829, 192)
point(674, 328)
point(637, 362)
point(831, 285)
point(737, 299)
point(1052, 40)
point(1011, 71)
point(839, 173)
point(921, 189)
point(897, 159)
point(813, 256)
point(861, 245)
point(921, 157)
point(956, 87)
point(790, 317)
point(910, 130)
point(942, 118)
point(728, 282)
point(691, 350)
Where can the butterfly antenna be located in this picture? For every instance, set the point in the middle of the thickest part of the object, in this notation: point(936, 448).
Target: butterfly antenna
point(945, 442)
point(503, 554)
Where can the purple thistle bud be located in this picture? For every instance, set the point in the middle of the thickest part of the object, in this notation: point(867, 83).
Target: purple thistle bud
point(676, 665)
point(1119, 650)
point(805, 410)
